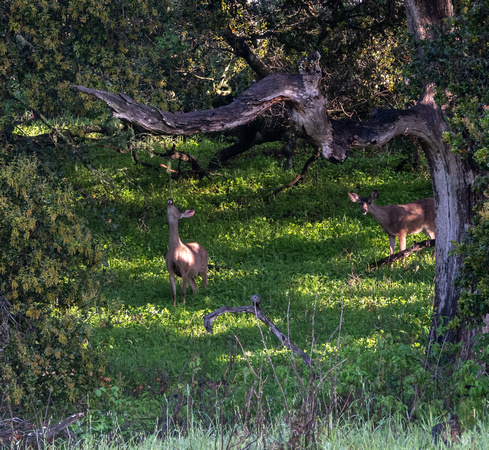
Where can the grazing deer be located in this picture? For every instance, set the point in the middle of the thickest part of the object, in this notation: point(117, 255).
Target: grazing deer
point(186, 261)
point(400, 220)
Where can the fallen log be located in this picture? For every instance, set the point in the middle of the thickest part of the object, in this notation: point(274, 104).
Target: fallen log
point(401, 255)
point(259, 314)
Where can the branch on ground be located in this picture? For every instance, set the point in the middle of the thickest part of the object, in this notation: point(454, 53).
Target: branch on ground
point(300, 176)
point(19, 432)
point(401, 255)
point(259, 314)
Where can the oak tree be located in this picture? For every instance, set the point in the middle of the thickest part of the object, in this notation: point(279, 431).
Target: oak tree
point(428, 121)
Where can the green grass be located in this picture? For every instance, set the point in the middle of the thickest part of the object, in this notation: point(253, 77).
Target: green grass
point(304, 252)
point(392, 433)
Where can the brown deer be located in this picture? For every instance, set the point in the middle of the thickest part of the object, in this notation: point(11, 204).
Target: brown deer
point(186, 261)
point(400, 220)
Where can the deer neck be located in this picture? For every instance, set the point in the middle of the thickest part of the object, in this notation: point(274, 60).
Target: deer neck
point(174, 241)
point(380, 213)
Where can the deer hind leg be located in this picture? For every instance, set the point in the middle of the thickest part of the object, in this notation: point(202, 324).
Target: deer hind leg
point(203, 273)
point(402, 242)
point(185, 280)
point(193, 284)
point(204, 269)
point(431, 235)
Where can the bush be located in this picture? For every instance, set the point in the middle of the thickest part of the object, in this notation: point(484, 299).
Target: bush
point(474, 277)
point(47, 276)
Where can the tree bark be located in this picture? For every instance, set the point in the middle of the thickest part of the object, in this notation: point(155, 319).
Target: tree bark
point(424, 13)
point(453, 179)
point(243, 50)
point(301, 91)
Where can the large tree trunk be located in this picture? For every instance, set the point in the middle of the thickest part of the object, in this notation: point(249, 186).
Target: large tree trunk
point(453, 180)
point(423, 13)
point(452, 177)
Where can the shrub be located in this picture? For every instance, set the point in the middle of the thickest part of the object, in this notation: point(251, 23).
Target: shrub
point(48, 265)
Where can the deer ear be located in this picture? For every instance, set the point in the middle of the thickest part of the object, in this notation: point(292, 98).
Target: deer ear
point(375, 194)
point(353, 196)
point(188, 213)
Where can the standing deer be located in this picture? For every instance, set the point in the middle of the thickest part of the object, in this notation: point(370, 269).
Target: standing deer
point(400, 220)
point(186, 261)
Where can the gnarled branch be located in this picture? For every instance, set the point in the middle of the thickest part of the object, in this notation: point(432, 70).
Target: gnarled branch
point(308, 110)
point(301, 91)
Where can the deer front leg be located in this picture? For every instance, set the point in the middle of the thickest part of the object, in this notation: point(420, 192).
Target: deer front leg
point(174, 287)
point(392, 243)
point(402, 246)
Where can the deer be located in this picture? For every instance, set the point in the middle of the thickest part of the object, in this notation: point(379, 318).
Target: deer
point(399, 220)
point(184, 260)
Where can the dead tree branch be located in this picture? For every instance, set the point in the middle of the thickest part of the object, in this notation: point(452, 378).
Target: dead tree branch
point(308, 111)
point(401, 255)
point(301, 92)
point(17, 432)
point(259, 314)
point(300, 176)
